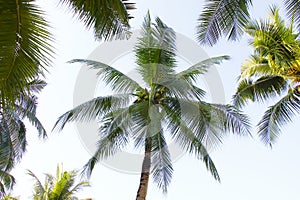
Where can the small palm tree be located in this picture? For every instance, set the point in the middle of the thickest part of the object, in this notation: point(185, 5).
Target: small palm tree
point(169, 103)
point(13, 131)
point(61, 187)
point(273, 70)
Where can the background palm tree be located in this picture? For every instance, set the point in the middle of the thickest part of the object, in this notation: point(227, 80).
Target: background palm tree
point(26, 53)
point(13, 131)
point(273, 70)
point(170, 102)
point(61, 187)
point(229, 18)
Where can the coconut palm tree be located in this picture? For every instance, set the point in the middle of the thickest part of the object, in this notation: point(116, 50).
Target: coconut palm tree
point(169, 103)
point(230, 17)
point(61, 187)
point(272, 71)
point(13, 131)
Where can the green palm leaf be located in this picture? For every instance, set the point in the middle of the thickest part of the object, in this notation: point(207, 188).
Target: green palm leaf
point(109, 19)
point(13, 140)
point(201, 67)
point(256, 65)
point(6, 182)
point(118, 81)
point(25, 47)
point(185, 137)
point(113, 138)
point(162, 169)
point(27, 109)
point(155, 51)
point(293, 10)
point(222, 18)
point(92, 109)
point(182, 83)
point(262, 89)
point(38, 188)
point(231, 119)
point(278, 115)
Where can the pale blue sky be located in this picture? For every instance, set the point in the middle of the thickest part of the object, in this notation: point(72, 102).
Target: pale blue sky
point(248, 169)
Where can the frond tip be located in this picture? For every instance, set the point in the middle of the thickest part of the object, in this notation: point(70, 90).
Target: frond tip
point(278, 115)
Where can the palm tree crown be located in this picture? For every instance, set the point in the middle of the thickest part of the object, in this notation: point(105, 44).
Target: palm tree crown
point(170, 102)
point(273, 70)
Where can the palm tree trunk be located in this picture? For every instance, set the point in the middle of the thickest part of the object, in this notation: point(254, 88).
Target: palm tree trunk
point(142, 191)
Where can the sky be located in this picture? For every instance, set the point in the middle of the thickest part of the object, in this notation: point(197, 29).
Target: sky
point(248, 169)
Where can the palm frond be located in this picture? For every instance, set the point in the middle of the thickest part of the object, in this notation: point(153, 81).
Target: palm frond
point(231, 119)
point(293, 11)
point(162, 169)
point(182, 84)
point(201, 67)
point(39, 188)
point(7, 182)
point(188, 140)
point(27, 109)
point(143, 127)
point(197, 118)
point(13, 140)
point(63, 185)
point(79, 186)
point(222, 18)
point(92, 109)
point(25, 47)
point(256, 65)
point(36, 86)
point(113, 135)
point(109, 19)
point(155, 51)
point(262, 89)
point(278, 115)
point(118, 81)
